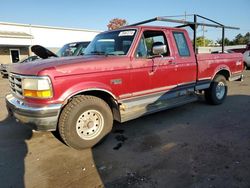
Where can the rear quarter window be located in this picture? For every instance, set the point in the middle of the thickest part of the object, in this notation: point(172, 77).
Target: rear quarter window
point(181, 44)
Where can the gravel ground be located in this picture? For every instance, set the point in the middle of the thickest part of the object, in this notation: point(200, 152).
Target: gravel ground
point(195, 145)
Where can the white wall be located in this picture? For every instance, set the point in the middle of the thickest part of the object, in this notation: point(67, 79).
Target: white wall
point(15, 41)
point(45, 36)
point(211, 49)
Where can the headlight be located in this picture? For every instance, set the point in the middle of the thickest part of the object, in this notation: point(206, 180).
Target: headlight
point(39, 87)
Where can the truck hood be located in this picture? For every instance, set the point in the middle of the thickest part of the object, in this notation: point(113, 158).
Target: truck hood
point(64, 65)
point(42, 52)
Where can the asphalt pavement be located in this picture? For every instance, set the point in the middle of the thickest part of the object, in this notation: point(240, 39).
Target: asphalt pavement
point(195, 145)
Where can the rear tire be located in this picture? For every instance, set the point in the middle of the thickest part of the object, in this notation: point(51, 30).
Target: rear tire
point(217, 91)
point(84, 121)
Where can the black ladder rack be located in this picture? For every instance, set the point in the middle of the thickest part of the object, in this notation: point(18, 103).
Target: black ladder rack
point(193, 25)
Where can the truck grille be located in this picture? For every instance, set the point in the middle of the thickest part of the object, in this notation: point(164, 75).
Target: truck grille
point(16, 84)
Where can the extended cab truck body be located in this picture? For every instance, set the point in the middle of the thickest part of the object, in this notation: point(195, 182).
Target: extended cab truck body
point(123, 75)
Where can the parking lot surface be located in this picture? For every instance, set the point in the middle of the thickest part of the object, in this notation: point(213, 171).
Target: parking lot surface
point(195, 145)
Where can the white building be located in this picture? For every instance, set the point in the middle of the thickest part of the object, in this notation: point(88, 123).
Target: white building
point(16, 39)
point(219, 48)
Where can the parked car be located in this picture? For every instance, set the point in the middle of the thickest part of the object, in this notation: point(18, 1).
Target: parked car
point(219, 52)
point(246, 57)
point(70, 49)
point(1, 67)
point(73, 49)
point(5, 67)
point(124, 74)
point(4, 71)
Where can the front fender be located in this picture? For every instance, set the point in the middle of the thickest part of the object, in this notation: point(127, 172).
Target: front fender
point(83, 87)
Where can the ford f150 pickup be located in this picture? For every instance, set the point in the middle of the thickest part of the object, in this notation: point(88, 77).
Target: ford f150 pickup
point(124, 74)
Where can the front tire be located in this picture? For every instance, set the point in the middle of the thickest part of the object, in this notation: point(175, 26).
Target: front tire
point(84, 121)
point(217, 91)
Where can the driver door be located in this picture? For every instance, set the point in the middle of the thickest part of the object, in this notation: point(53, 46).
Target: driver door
point(153, 73)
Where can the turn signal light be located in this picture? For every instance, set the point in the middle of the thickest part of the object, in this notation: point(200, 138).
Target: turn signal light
point(37, 94)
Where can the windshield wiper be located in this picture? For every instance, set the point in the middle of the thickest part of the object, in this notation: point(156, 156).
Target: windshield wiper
point(116, 53)
point(97, 53)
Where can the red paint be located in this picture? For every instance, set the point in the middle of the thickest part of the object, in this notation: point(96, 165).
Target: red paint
point(72, 75)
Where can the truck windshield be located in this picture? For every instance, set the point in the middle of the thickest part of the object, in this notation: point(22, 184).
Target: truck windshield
point(111, 43)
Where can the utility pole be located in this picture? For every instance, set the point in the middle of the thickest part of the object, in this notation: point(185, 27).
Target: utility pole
point(203, 35)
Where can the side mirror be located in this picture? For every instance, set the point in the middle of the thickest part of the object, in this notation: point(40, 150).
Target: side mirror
point(159, 49)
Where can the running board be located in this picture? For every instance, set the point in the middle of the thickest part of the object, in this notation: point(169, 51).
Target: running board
point(135, 111)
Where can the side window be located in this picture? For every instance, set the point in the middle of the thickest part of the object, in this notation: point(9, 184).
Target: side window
point(181, 44)
point(148, 41)
point(141, 51)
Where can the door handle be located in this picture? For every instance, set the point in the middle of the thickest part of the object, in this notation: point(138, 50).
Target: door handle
point(172, 63)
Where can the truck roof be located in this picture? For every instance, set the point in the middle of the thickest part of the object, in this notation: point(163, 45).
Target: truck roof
point(152, 27)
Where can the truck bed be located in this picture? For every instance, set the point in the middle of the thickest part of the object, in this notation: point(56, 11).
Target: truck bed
point(210, 64)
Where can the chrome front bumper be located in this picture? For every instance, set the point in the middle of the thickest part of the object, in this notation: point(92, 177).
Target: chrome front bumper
point(38, 117)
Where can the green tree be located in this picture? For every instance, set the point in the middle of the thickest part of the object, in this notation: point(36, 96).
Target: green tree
point(149, 42)
point(247, 37)
point(227, 42)
point(239, 39)
point(203, 41)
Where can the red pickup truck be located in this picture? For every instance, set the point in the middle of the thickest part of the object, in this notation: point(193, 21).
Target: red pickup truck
point(124, 74)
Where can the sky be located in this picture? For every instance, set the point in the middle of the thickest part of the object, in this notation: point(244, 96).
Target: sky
point(96, 14)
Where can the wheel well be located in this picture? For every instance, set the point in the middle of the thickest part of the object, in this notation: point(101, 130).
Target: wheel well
point(108, 98)
point(100, 94)
point(225, 73)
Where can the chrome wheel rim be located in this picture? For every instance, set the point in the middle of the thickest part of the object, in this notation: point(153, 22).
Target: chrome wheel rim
point(220, 90)
point(89, 124)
